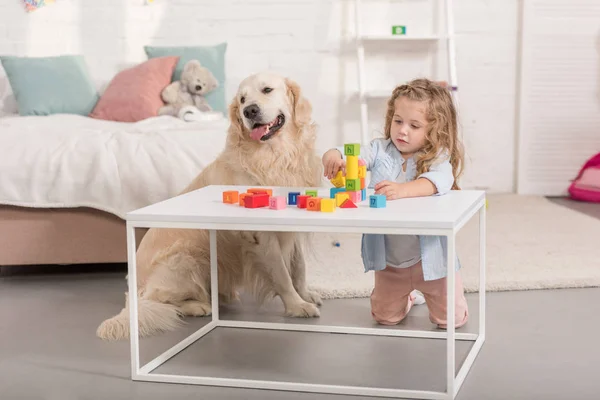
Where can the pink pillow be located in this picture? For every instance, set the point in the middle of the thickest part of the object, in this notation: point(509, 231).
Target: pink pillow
point(134, 93)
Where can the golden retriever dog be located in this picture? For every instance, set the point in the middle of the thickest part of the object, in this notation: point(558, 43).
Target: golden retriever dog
point(270, 142)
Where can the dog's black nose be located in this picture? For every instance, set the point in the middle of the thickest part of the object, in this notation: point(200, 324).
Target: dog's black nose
point(251, 111)
point(198, 87)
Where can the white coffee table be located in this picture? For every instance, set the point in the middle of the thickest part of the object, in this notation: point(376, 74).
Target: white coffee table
point(204, 209)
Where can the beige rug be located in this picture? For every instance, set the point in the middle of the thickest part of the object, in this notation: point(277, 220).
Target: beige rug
point(532, 243)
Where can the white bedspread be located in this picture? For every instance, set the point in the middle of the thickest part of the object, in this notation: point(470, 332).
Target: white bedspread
point(73, 161)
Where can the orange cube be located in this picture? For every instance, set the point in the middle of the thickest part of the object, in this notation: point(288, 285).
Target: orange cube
point(313, 204)
point(362, 183)
point(230, 196)
point(242, 195)
point(362, 171)
point(260, 190)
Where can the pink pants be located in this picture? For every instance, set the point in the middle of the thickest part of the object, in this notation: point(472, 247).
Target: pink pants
point(391, 301)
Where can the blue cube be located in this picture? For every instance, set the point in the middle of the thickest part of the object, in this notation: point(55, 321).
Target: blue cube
point(293, 198)
point(377, 201)
point(334, 191)
point(363, 194)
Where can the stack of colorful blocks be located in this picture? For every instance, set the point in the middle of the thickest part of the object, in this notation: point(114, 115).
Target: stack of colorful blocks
point(352, 185)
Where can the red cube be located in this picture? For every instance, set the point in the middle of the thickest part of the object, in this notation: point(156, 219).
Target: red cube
point(302, 200)
point(256, 200)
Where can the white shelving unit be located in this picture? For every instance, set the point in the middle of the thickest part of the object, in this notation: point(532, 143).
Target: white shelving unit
point(361, 39)
point(399, 37)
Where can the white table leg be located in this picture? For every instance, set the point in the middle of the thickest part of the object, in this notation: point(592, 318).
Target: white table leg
point(482, 287)
point(214, 279)
point(470, 359)
point(450, 280)
point(133, 302)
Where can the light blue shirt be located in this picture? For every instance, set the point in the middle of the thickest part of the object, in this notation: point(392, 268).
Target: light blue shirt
point(385, 162)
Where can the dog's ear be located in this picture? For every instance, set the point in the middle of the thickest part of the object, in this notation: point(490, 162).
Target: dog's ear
point(301, 107)
point(236, 127)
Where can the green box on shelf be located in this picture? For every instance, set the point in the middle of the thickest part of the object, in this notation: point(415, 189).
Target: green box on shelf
point(398, 30)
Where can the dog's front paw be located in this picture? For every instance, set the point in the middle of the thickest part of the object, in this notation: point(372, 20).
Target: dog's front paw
point(193, 308)
point(311, 297)
point(302, 310)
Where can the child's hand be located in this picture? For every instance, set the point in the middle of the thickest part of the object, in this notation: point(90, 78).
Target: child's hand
point(391, 190)
point(332, 163)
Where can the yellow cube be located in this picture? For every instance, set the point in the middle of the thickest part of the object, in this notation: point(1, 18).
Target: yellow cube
point(339, 180)
point(362, 171)
point(351, 167)
point(327, 205)
point(340, 198)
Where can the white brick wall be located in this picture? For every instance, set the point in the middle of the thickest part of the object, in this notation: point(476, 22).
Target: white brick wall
point(299, 38)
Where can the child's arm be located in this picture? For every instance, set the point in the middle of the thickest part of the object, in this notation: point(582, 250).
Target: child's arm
point(417, 188)
point(440, 175)
point(333, 161)
point(437, 181)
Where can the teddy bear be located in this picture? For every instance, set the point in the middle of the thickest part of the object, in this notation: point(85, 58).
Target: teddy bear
point(195, 82)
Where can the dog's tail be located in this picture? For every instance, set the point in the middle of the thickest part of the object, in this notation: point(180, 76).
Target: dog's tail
point(153, 317)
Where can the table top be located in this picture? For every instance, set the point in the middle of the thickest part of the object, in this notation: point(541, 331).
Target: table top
point(204, 209)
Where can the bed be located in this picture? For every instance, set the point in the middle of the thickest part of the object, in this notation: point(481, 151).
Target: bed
point(67, 181)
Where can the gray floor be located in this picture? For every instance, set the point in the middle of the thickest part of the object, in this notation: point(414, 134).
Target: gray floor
point(591, 209)
point(540, 345)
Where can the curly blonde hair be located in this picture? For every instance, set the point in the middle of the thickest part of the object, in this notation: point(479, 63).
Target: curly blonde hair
point(441, 115)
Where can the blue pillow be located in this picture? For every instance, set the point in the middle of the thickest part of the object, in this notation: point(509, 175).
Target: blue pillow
point(211, 57)
point(50, 85)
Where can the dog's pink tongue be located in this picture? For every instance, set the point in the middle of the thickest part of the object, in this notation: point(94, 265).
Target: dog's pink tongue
point(259, 132)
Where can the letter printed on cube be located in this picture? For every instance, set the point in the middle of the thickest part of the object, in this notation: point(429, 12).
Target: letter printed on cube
point(313, 204)
point(362, 172)
point(352, 149)
point(352, 184)
point(230, 196)
point(377, 201)
point(293, 198)
point(339, 181)
point(277, 202)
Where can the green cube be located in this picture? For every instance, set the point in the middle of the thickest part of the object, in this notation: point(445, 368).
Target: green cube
point(352, 149)
point(353, 185)
point(312, 193)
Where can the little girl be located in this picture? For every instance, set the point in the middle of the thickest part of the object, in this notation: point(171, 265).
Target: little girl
point(419, 156)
